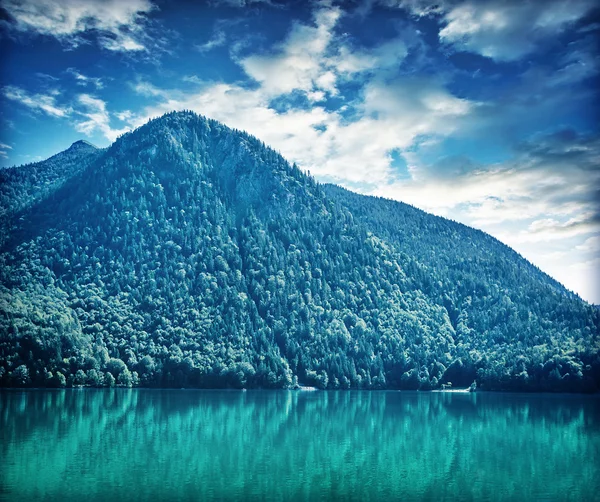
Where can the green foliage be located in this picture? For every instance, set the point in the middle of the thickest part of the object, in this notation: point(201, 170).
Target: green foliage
point(22, 187)
point(191, 255)
point(513, 325)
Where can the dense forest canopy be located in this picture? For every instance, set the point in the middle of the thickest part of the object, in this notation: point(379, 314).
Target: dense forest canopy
point(188, 254)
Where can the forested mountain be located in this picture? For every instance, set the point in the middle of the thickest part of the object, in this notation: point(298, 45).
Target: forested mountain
point(188, 254)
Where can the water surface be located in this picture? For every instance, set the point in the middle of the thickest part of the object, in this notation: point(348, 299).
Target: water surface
point(124, 444)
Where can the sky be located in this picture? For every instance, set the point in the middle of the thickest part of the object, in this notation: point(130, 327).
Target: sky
point(482, 111)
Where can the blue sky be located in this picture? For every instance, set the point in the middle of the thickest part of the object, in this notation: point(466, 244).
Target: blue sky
point(483, 111)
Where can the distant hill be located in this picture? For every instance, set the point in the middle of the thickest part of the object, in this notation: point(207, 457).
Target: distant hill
point(188, 254)
point(23, 186)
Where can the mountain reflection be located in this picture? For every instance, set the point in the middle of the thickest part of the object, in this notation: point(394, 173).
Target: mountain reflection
point(286, 445)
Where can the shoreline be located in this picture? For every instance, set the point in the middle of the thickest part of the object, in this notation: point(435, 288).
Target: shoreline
point(301, 390)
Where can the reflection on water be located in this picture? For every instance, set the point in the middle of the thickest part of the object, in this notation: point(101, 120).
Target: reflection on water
point(125, 444)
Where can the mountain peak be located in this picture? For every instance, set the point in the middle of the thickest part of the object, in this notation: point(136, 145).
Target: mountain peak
point(83, 143)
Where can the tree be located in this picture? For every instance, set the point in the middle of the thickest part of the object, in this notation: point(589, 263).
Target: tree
point(20, 375)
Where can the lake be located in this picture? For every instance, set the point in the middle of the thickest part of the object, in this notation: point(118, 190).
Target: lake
point(141, 444)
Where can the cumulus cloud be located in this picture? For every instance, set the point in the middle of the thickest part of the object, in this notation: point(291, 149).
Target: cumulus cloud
point(503, 30)
point(354, 150)
point(299, 62)
point(388, 55)
point(507, 30)
point(95, 118)
point(119, 25)
point(312, 59)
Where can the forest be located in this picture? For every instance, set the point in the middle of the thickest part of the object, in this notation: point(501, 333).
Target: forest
point(189, 254)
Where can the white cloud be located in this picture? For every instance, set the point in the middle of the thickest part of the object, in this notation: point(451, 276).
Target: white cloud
point(4, 150)
point(549, 229)
point(555, 255)
point(192, 79)
point(579, 63)
point(125, 116)
point(84, 80)
point(241, 3)
point(581, 277)
point(406, 97)
point(418, 8)
point(37, 102)
point(93, 110)
point(391, 115)
point(552, 178)
point(504, 30)
point(566, 263)
point(298, 63)
point(507, 30)
point(147, 89)
point(121, 43)
point(312, 59)
point(120, 24)
point(96, 118)
point(217, 40)
point(592, 244)
point(386, 56)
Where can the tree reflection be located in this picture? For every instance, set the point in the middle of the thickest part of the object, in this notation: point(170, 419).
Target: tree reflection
point(153, 444)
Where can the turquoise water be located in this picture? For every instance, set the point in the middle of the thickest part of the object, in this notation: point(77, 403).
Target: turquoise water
point(124, 444)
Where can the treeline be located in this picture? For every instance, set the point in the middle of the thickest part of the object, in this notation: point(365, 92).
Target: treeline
point(192, 255)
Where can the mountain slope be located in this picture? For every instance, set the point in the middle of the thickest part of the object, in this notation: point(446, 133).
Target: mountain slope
point(24, 186)
point(189, 254)
point(499, 302)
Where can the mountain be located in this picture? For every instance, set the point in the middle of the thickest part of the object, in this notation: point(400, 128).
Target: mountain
point(188, 254)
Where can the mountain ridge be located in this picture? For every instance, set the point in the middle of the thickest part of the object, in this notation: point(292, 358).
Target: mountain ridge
point(190, 254)
point(332, 189)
